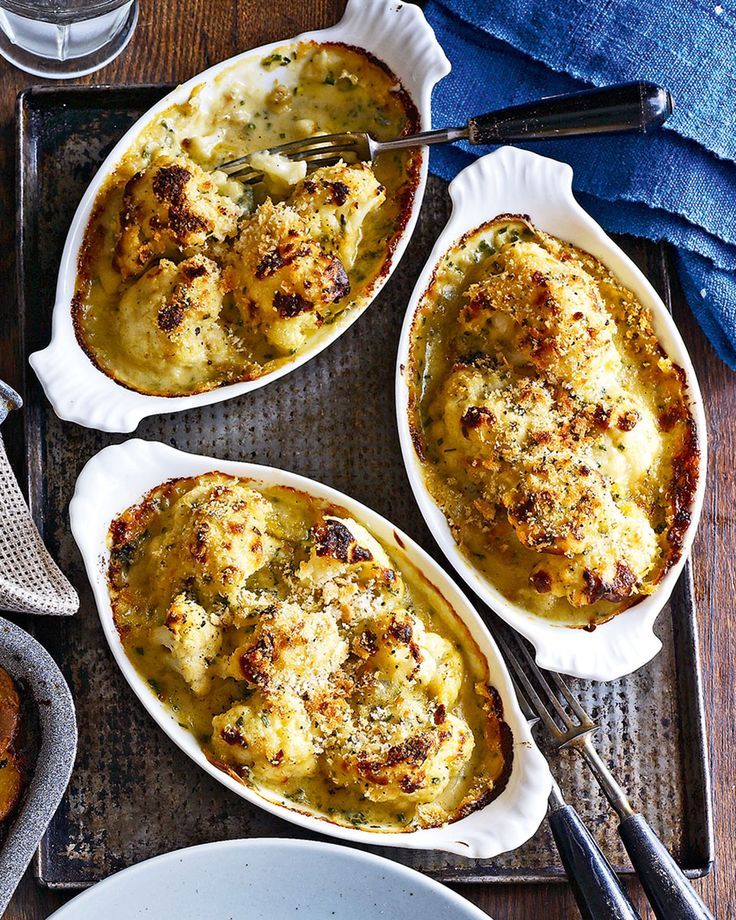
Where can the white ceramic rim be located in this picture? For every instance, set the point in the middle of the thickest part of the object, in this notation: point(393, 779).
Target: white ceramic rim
point(394, 32)
point(512, 181)
point(119, 475)
point(371, 861)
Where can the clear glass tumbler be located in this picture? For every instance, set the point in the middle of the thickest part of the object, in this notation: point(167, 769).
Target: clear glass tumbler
point(65, 38)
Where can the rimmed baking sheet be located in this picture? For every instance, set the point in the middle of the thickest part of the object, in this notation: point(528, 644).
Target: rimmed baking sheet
point(133, 794)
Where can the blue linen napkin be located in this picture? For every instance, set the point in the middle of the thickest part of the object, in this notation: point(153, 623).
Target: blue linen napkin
point(677, 184)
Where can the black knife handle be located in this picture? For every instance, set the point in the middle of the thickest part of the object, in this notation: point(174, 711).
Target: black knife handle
point(612, 109)
point(596, 887)
point(669, 892)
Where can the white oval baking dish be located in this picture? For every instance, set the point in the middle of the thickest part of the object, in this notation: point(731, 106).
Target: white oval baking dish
point(396, 33)
point(120, 475)
point(511, 181)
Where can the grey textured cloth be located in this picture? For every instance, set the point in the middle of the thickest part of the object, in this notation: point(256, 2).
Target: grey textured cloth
point(30, 580)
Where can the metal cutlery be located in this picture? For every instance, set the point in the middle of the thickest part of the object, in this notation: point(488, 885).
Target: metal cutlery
point(611, 109)
point(669, 892)
point(598, 891)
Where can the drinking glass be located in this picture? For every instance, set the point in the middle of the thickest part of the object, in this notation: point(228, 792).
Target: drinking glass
point(65, 38)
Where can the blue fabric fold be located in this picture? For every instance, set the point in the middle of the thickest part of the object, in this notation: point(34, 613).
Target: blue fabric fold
point(678, 184)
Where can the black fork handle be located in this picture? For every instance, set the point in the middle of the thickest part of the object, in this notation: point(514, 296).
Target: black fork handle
point(668, 890)
point(612, 109)
point(598, 892)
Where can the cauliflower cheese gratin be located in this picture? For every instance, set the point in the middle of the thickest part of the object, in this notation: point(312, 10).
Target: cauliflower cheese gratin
point(189, 280)
point(313, 665)
point(552, 429)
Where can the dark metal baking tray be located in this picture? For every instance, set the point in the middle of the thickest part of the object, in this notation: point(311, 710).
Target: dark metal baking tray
point(133, 794)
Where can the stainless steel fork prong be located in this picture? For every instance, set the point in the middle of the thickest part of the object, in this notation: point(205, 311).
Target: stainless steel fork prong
point(326, 149)
point(251, 176)
point(292, 149)
point(566, 730)
point(571, 700)
point(552, 699)
point(577, 732)
point(322, 150)
point(529, 692)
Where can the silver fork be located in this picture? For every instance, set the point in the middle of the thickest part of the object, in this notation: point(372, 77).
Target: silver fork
point(669, 892)
point(598, 891)
point(611, 109)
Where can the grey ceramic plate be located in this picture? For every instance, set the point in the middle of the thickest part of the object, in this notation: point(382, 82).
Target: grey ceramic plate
point(50, 737)
point(266, 879)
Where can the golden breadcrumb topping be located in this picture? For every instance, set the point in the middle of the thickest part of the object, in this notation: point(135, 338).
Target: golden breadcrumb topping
point(310, 663)
point(554, 432)
point(282, 279)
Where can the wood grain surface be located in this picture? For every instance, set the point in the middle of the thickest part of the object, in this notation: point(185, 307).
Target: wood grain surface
point(177, 38)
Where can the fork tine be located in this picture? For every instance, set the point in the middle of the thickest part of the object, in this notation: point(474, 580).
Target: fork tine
point(250, 174)
point(526, 707)
point(544, 684)
point(571, 699)
point(283, 149)
point(346, 137)
point(332, 152)
point(326, 157)
point(524, 703)
point(531, 694)
point(297, 149)
point(247, 176)
point(253, 176)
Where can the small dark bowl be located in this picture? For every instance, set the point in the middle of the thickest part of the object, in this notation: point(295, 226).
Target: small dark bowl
point(48, 742)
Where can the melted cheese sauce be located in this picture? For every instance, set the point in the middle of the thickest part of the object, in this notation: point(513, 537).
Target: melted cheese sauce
point(298, 91)
point(323, 672)
point(553, 430)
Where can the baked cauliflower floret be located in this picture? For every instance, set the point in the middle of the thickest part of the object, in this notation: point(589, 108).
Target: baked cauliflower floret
point(559, 507)
point(612, 565)
point(542, 459)
point(170, 316)
point(271, 736)
point(170, 207)
point(485, 422)
point(396, 651)
point(405, 751)
point(560, 324)
point(217, 540)
point(445, 682)
point(194, 639)
point(335, 201)
point(340, 546)
point(401, 649)
point(636, 443)
point(280, 173)
point(327, 64)
point(283, 281)
point(290, 650)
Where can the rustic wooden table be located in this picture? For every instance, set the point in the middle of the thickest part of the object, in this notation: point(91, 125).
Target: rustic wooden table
point(177, 38)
